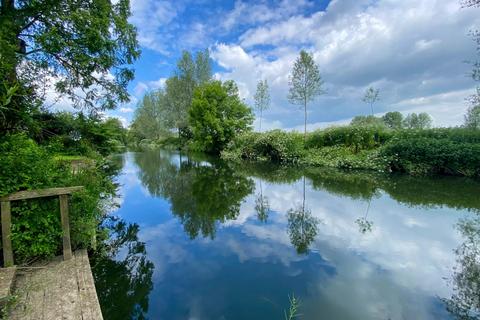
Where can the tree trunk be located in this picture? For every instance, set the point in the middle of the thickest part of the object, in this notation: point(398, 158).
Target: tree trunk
point(305, 122)
point(261, 115)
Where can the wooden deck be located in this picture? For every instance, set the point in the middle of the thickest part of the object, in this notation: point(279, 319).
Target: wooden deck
point(56, 289)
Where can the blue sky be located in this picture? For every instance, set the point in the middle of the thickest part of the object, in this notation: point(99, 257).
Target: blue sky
point(414, 51)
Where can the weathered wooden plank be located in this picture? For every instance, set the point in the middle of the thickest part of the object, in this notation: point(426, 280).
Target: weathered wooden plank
point(30, 194)
point(6, 233)
point(6, 284)
point(67, 247)
point(61, 290)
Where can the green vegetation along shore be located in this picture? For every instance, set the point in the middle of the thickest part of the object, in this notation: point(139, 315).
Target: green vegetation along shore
point(450, 151)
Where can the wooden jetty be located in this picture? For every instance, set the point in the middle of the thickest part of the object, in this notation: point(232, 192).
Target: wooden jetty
point(55, 289)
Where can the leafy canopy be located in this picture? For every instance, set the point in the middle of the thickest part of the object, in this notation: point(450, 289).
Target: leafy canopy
point(217, 115)
point(472, 118)
point(84, 47)
point(417, 121)
point(393, 119)
point(305, 80)
point(262, 98)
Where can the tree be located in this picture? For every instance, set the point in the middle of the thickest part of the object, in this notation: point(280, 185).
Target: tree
point(393, 120)
point(371, 96)
point(217, 115)
point(150, 118)
point(203, 67)
point(366, 121)
point(475, 98)
point(472, 118)
point(85, 46)
point(262, 98)
point(305, 83)
point(179, 90)
point(417, 121)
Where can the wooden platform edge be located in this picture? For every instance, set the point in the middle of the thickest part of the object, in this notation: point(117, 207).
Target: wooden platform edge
point(7, 276)
point(86, 285)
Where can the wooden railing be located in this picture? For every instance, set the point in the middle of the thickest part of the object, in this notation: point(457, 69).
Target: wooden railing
point(6, 218)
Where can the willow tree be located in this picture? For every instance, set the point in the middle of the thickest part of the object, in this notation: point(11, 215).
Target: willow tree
point(262, 98)
point(83, 48)
point(305, 83)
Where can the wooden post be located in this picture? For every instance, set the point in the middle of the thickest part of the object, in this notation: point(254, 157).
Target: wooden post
point(67, 247)
point(6, 234)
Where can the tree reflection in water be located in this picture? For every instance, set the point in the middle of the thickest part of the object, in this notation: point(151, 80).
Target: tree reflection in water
point(302, 226)
point(365, 225)
point(122, 273)
point(262, 206)
point(464, 303)
point(201, 193)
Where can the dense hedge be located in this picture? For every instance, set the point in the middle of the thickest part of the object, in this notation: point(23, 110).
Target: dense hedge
point(422, 155)
point(357, 137)
point(36, 229)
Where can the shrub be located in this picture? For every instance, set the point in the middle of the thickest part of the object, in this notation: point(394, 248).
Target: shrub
point(275, 146)
point(357, 137)
point(426, 155)
point(36, 229)
point(460, 135)
point(344, 158)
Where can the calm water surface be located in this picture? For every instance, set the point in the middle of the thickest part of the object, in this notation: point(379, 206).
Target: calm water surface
point(194, 238)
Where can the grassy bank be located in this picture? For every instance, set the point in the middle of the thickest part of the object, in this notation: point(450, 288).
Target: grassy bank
point(446, 151)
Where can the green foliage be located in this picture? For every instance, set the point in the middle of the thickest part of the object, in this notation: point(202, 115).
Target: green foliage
point(293, 309)
point(64, 132)
point(36, 229)
point(262, 98)
point(422, 155)
point(356, 137)
point(393, 120)
point(459, 135)
point(417, 121)
point(367, 121)
point(275, 146)
point(151, 118)
point(345, 158)
point(472, 118)
point(217, 115)
point(88, 45)
point(305, 83)
point(440, 150)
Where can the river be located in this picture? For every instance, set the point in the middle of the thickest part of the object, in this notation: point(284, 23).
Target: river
point(197, 238)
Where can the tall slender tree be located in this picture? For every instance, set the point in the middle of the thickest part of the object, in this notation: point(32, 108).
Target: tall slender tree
point(262, 98)
point(474, 99)
point(371, 96)
point(305, 83)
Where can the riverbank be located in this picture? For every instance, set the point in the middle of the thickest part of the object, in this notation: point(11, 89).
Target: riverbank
point(443, 151)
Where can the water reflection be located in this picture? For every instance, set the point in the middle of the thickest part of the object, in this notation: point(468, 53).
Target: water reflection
point(122, 272)
point(465, 300)
point(262, 206)
point(365, 225)
point(201, 194)
point(302, 226)
point(240, 233)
